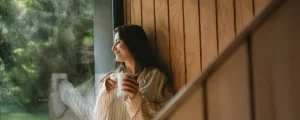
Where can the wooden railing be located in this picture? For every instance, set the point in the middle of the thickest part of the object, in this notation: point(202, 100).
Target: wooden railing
point(254, 78)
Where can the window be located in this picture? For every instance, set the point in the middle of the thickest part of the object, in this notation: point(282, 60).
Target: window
point(38, 38)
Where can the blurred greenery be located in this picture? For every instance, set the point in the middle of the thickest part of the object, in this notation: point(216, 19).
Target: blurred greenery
point(37, 38)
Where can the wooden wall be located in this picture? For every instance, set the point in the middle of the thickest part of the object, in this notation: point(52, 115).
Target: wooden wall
point(275, 58)
point(189, 34)
point(256, 78)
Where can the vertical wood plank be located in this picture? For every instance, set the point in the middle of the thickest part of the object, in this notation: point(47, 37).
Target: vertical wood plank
point(226, 31)
point(262, 78)
point(208, 31)
point(148, 20)
point(177, 43)
point(192, 108)
point(125, 11)
point(136, 12)
point(259, 5)
point(295, 82)
point(162, 32)
point(192, 38)
point(276, 65)
point(281, 75)
point(228, 95)
point(128, 11)
point(132, 11)
point(243, 13)
point(294, 59)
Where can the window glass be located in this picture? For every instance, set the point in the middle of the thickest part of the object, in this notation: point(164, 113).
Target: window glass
point(38, 38)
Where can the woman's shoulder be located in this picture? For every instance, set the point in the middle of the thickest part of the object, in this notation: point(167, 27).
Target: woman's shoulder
point(154, 72)
point(151, 70)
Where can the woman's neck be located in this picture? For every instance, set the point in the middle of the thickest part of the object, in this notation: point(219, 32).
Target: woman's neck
point(133, 67)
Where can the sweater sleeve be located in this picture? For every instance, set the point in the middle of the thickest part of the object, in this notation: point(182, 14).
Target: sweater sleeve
point(104, 100)
point(73, 99)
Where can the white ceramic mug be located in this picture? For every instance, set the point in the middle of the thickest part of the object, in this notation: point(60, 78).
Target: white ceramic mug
point(120, 77)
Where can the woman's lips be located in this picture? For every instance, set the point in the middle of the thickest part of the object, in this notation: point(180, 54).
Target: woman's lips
point(116, 52)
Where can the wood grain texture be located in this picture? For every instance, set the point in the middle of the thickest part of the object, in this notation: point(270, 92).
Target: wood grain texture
point(162, 32)
point(243, 13)
point(192, 108)
point(208, 31)
point(260, 5)
point(136, 12)
point(226, 31)
point(276, 65)
point(148, 20)
point(264, 105)
point(192, 38)
point(127, 10)
point(202, 78)
point(177, 43)
point(228, 89)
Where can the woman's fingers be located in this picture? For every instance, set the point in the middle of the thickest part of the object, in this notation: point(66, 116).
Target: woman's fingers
point(109, 87)
point(130, 93)
point(111, 81)
point(129, 87)
point(113, 78)
point(110, 84)
point(113, 84)
point(129, 83)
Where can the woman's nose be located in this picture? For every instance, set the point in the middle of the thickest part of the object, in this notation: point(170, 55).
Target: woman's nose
point(113, 48)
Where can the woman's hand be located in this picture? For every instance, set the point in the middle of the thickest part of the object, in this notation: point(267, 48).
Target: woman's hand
point(130, 87)
point(110, 83)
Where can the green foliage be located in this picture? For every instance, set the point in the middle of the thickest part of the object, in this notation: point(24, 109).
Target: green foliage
point(37, 38)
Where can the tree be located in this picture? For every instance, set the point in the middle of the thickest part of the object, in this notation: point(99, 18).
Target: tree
point(39, 37)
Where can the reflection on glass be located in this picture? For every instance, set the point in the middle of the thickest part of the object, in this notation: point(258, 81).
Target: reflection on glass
point(38, 38)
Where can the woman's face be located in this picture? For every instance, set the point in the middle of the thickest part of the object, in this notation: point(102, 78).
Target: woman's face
point(120, 49)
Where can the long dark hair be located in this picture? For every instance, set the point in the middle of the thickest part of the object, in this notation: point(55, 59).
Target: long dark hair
point(140, 47)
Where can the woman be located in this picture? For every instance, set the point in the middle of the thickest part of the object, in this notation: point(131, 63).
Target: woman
point(147, 94)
